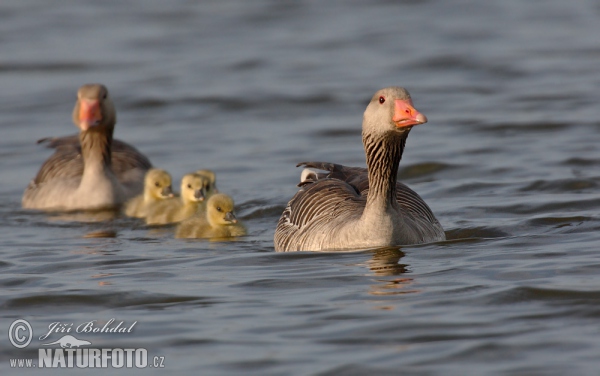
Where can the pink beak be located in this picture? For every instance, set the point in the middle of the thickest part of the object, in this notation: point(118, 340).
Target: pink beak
point(90, 113)
point(405, 115)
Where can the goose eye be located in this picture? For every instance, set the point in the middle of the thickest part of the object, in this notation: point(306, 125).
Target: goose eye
point(104, 96)
point(381, 100)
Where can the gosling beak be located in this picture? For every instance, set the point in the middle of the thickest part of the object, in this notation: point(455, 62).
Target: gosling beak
point(167, 192)
point(90, 113)
point(405, 115)
point(230, 217)
point(199, 195)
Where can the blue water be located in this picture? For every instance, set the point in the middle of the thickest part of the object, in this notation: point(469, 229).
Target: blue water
point(508, 162)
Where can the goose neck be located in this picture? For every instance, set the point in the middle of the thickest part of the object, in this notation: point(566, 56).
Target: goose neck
point(383, 157)
point(96, 148)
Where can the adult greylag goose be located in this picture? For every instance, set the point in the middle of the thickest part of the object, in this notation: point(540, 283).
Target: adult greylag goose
point(83, 176)
point(66, 162)
point(157, 187)
point(219, 221)
point(176, 209)
point(355, 208)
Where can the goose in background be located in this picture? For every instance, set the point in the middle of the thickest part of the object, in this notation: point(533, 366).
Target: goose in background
point(219, 221)
point(82, 173)
point(356, 208)
point(176, 209)
point(157, 187)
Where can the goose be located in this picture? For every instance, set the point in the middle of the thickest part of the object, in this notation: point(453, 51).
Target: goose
point(176, 209)
point(219, 221)
point(157, 187)
point(356, 208)
point(85, 174)
point(126, 161)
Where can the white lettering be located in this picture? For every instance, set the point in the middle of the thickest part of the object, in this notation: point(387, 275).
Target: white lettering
point(141, 358)
point(95, 358)
point(129, 353)
point(88, 358)
point(131, 327)
point(118, 358)
point(82, 358)
point(85, 327)
point(105, 327)
point(57, 327)
point(44, 358)
point(59, 359)
point(105, 357)
point(70, 357)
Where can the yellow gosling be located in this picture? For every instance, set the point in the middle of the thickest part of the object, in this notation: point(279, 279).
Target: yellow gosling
point(218, 222)
point(176, 209)
point(157, 187)
point(212, 178)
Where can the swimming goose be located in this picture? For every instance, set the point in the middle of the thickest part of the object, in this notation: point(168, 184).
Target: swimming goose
point(355, 208)
point(83, 176)
point(176, 209)
point(127, 162)
point(157, 187)
point(219, 221)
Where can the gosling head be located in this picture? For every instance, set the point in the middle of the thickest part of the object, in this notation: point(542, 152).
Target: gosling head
point(211, 179)
point(193, 187)
point(391, 110)
point(219, 210)
point(157, 184)
point(94, 109)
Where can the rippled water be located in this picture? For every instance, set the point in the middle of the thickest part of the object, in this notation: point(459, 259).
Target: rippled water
point(508, 162)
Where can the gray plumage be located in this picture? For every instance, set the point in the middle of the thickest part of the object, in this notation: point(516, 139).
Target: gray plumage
point(88, 172)
point(66, 162)
point(356, 208)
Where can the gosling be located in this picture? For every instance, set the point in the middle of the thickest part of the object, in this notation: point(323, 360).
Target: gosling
point(173, 210)
point(219, 221)
point(157, 187)
point(212, 188)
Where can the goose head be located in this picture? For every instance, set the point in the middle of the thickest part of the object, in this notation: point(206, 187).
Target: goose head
point(219, 210)
point(158, 183)
point(391, 111)
point(94, 109)
point(193, 188)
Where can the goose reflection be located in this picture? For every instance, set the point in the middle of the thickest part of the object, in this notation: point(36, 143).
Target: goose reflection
point(385, 262)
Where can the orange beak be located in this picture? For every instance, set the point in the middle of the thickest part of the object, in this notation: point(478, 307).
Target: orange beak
point(405, 115)
point(90, 113)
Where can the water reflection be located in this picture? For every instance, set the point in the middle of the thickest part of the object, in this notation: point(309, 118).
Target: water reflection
point(386, 262)
point(85, 216)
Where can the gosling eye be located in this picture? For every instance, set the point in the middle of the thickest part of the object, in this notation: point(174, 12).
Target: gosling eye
point(157, 184)
point(219, 208)
point(381, 99)
point(189, 186)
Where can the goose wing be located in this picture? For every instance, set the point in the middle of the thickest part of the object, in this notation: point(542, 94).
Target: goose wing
point(66, 162)
point(358, 178)
point(315, 211)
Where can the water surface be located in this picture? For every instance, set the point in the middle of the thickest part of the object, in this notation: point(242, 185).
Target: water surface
point(508, 163)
